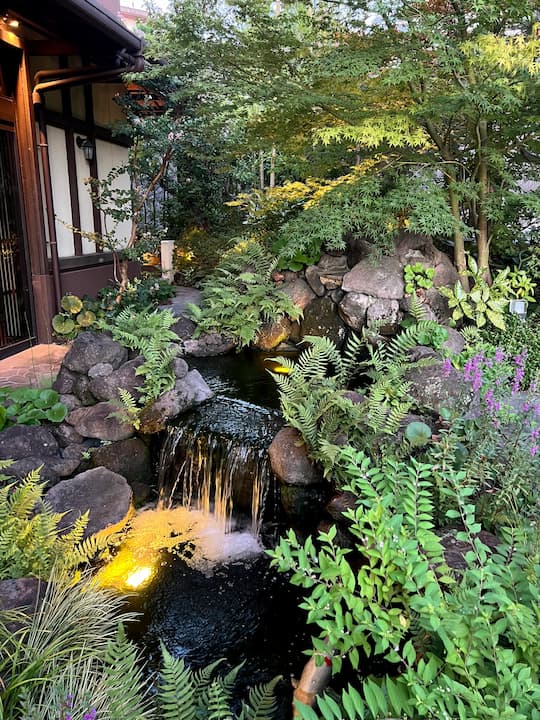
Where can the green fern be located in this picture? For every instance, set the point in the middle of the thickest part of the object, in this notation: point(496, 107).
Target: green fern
point(124, 680)
point(176, 689)
point(261, 704)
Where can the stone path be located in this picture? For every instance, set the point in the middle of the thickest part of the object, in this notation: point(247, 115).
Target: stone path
point(37, 366)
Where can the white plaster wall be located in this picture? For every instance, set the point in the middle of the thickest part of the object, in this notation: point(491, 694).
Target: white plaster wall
point(85, 201)
point(60, 190)
point(110, 156)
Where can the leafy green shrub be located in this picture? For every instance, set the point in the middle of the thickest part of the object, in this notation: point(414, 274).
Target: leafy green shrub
point(78, 316)
point(487, 303)
point(198, 251)
point(417, 276)
point(143, 293)
point(30, 542)
point(518, 334)
point(240, 295)
point(465, 649)
point(30, 406)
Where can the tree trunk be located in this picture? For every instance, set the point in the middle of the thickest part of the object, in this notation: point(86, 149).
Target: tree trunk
point(273, 167)
point(483, 182)
point(261, 170)
point(313, 681)
point(459, 241)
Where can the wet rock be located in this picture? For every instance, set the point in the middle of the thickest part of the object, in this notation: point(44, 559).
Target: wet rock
point(303, 505)
point(271, 334)
point(184, 328)
point(22, 441)
point(105, 387)
point(208, 345)
point(188, 392)
point(340, 503)
point(382, 278)
point(321, 318)
point(98, 422)
point(129, 458)
point(105, 494)
point(299, 292)
point(91, 348)
point(455, 550)
point(289, 459)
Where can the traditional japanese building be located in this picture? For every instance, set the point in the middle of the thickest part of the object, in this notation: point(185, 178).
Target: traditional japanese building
point(61, 66)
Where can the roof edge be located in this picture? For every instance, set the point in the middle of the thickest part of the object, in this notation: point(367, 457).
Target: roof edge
point(106, 22)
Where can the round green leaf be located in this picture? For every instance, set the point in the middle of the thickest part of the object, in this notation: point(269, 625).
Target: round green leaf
point(71, 304)
point(49, 396)
point(56, 413)
point(62, 325)
point(418, 433)
point(3, 417)
point(86, 318)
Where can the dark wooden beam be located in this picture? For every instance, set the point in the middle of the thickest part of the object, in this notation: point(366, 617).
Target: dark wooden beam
point(52, 47)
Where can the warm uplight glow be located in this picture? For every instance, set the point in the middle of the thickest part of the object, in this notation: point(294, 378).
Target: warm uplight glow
point(139, 577)
point(13, 23)
point(281, 369)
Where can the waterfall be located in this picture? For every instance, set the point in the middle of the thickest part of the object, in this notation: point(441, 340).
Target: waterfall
point(215, 460)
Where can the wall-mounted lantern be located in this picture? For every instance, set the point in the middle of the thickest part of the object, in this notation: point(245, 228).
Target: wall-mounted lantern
point(88, 148)
point(518, 307)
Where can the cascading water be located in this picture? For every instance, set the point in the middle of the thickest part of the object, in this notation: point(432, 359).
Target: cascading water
point(203, 585)
point(216, 461)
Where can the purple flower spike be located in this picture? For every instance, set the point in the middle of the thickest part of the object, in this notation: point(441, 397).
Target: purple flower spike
point(446, 367)
point(499, 355)
point(533, 450)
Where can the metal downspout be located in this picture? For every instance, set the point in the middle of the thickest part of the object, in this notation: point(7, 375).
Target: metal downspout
point(47, 187)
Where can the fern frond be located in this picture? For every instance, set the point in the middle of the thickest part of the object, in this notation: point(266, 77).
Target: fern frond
point(124, 682)
point(176, 691)
point(261, 703)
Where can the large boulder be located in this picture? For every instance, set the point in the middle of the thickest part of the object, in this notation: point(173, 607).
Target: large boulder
point(105, 386)
point(105, 494)
point(91, 348)
point(100, 421)
point(353, 309)
point(23, 594)
point(129, 458)
point(22, 441)
point(435, 388)
point(289, 459)
point(385, 313)
point(272, 334)
point(187, 392)
point(208, 345)
point(382, 278)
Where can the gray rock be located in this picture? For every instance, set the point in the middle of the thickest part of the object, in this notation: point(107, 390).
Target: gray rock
point(313, 279)
point(129, 458)
point(340, 503)
point(91, 348)
point(333, 265)
point(105, 387)
point(409, 242)
point(81, 390)
point(70, 401)
point(382, 278)
point(271, 334)
point(337, 295)
point(188, 392)
point(105, 494)
point(23, 593)
point(445, 271)
point(65, 381)
point(22, 441)
point(66, 434)
point(303, 505)
point(184, 328)
point(208, 345)
point(21, 468)
point(299, 292)
point(97, 422)
point(433, 389)
point(321, 318)
point(439, 305)
point(455, 342)
point(353, 308)
point(100, 370)
point(386, 313)
point(180, 368)
point(289, 459)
